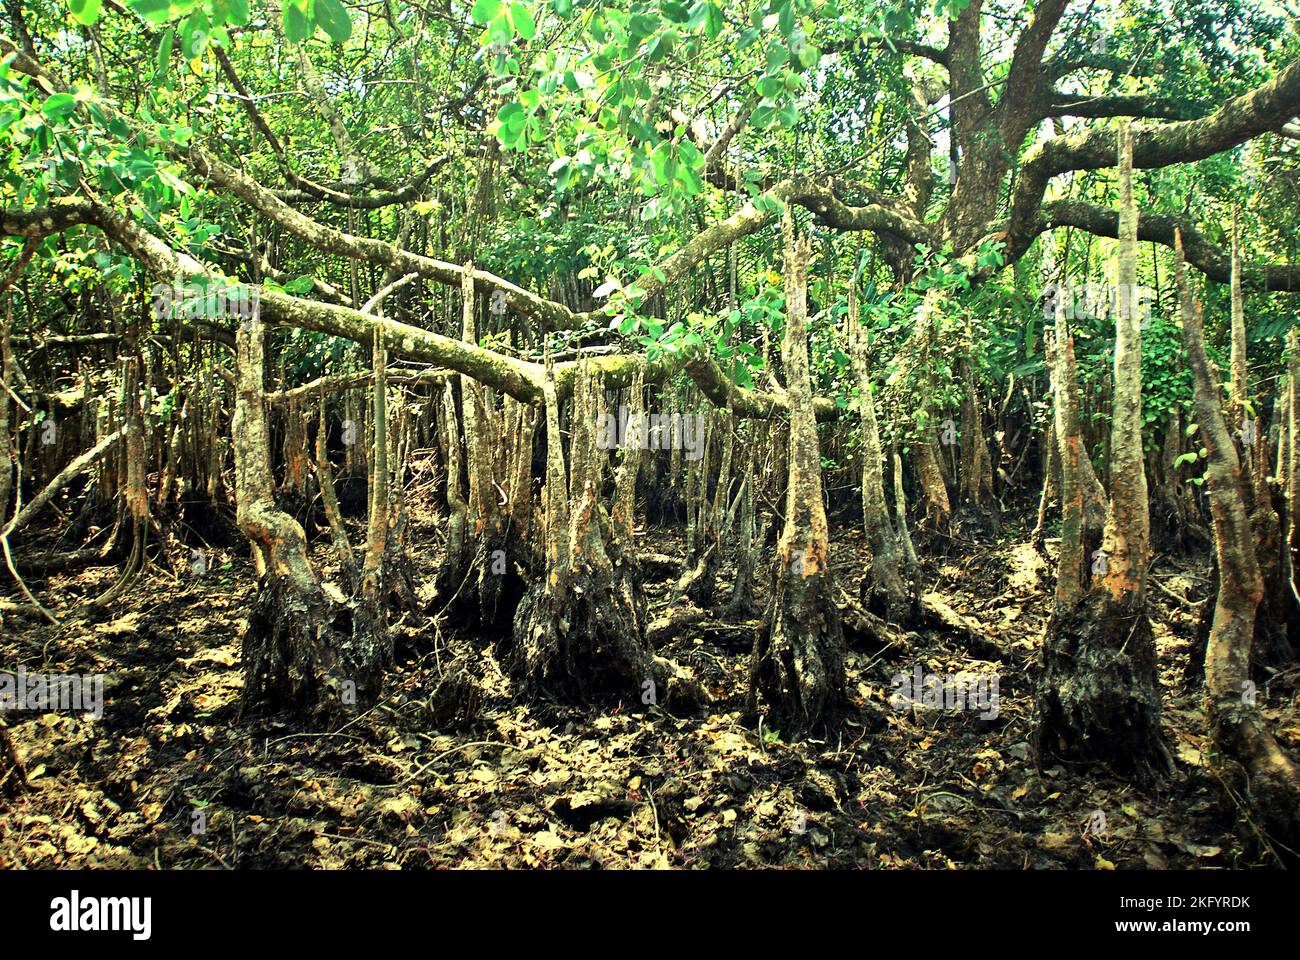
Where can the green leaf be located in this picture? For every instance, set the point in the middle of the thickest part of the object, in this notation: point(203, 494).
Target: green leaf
point(333, 18)
point(194, 35)
point(85, 11)
point(165, 52)
point(512, 126)
point(714, 21)
point(511, 116)
point(561, 171)
point(785, 20)
point(238, 12)
point(155, 11)
point(898, 23)
point(674, 11)
point(709, 16)
point(664, 163)
point(296, 26)
point(690, 181)
point(522, 21)
point(500, 30)
point(485, 11)
point(642, 25)
point(59, 106)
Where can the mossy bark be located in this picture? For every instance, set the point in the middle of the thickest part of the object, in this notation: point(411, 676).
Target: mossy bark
point(306, 649)
point(1098, 694)
point(482, 577)
point(1289, 476)
point(6, 384)
point(742, 602)
point(892, 588)
point(579, 634)
point(977, 513)
point(1244, 755)
point(707, 514)
point(797, 667)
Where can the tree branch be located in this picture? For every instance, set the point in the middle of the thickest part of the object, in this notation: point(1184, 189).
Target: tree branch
point(1059, 104)
point(1207, 257)
point(1016, 106)
point(1258, 111)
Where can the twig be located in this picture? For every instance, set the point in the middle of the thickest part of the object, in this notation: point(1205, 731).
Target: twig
point(446, 753)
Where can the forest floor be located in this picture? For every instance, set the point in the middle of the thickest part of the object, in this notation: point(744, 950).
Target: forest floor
point(170, 776)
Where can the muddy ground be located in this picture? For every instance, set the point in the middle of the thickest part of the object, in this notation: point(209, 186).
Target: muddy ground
point(171, 777)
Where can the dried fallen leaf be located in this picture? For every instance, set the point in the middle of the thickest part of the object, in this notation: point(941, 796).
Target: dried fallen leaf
point(122, 626)
point(546, 840)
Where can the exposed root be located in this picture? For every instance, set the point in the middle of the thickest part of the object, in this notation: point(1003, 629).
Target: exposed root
point(1098, 698)
point(583, 645)
point(798, 659)
point(319, 656)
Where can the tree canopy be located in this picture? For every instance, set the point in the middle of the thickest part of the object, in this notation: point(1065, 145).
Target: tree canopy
point(622, 166)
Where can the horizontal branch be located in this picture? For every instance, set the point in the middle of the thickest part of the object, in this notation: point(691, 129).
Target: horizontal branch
point(1061, 66)
point(1210, 259)
point(1258, 111)
point(820, 196)
point(338, 382)
point(521, 379)
point(1137, 105)
point(817, 195)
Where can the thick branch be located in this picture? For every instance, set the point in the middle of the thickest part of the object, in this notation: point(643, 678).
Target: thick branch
point(1018, 93)
point(65, 476)
point(1059, 104)
point(1207, 257)
point(521, 379)
point(1261, 110)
